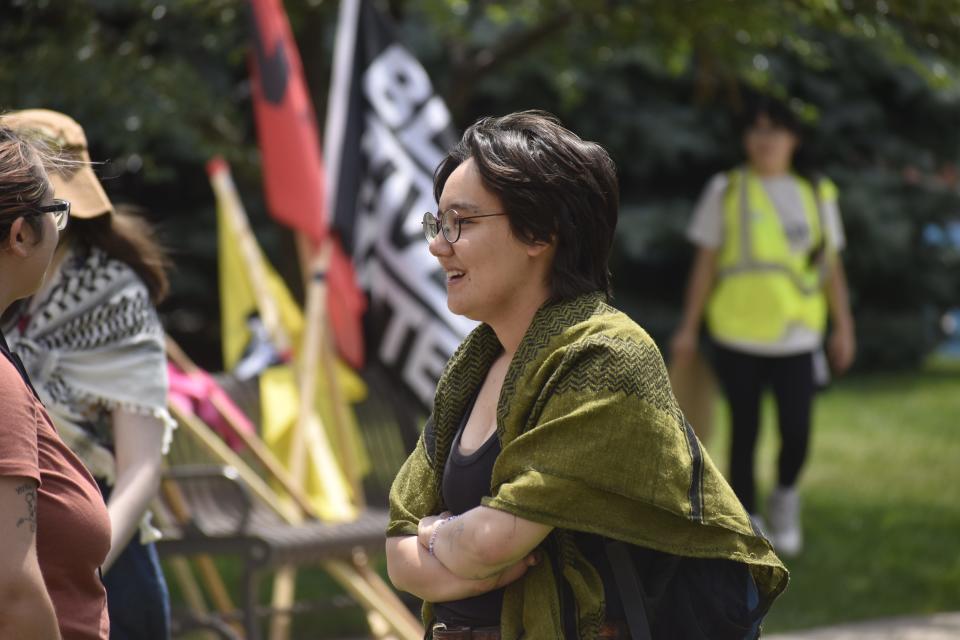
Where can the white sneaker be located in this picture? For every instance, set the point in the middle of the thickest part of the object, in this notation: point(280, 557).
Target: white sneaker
point(783, 510)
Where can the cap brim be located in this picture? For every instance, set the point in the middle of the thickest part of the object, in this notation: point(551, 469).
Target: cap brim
point(74, 179)
point(82, 188)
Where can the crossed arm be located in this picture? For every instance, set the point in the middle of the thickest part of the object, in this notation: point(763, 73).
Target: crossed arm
point(482, 550)
point(27, 609)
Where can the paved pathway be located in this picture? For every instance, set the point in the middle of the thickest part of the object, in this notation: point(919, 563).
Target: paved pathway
point(941, 626)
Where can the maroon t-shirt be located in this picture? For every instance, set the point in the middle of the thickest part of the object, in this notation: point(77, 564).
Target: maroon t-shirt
point(73, 527)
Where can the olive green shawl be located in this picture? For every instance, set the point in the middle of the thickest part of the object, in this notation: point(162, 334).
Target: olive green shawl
point(592, 440)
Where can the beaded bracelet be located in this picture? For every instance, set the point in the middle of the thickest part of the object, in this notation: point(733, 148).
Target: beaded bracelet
point(436, 530)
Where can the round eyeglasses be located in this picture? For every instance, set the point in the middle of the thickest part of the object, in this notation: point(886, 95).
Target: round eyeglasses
point(60, 210)
point(448, 223)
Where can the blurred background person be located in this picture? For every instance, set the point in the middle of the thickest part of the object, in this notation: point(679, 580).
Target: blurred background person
point(766, 272)
point(94, 346)
point(55, 529)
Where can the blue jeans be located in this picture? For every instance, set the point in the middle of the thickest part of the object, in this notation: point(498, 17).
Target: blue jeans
point(137, 597)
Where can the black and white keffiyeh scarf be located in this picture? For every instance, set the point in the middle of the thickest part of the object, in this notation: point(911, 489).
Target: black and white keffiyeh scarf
point(92, 342)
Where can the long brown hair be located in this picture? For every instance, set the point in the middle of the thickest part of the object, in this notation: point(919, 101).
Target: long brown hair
point(127, 237)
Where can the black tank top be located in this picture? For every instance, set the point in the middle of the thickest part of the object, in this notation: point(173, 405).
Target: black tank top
point(466, 479)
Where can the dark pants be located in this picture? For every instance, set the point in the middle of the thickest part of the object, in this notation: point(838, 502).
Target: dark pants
point(744, 378)
point(137, 597)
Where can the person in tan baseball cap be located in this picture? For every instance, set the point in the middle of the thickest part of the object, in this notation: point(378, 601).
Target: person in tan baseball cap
point(94, 345)
point(75, 181)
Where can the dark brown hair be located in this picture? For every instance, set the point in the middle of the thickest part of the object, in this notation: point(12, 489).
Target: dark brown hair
point(781, 115)
point(127, 237)
point(553, 186)
point(23, 181)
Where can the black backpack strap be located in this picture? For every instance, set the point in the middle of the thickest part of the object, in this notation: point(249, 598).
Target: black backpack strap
point(630, 588)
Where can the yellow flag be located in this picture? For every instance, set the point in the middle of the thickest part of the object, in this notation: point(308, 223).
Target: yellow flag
point(278, 390)
point(237, 301)
point(325, 484)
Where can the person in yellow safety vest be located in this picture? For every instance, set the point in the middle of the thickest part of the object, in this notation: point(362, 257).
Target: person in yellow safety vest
point(766, 274)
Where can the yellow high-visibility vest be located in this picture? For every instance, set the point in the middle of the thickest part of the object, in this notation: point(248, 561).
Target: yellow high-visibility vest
point(763, 287)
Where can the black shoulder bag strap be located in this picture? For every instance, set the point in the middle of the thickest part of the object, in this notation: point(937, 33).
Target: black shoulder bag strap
point(630, 588)
point(17, 364)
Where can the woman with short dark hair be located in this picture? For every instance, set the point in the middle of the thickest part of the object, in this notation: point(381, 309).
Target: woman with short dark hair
point(554, 430)
point(570, 196)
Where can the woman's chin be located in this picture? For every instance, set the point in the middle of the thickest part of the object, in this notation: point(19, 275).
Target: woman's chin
point(458, 308)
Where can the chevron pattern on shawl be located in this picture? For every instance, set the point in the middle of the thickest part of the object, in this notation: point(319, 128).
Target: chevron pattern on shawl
point(481, 347)
point(628, 366)
point(549, 322)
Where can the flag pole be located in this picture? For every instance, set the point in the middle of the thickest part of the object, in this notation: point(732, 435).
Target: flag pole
point(310, 345)
point(338, 105)
point(318, 262)
point(344, 442)
point(236, 216)
point(315, 263)
point(317, 344)
point(338, 102)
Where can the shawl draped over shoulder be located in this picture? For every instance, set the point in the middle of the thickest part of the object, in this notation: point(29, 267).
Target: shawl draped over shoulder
point(592, 441)
point(92, 343)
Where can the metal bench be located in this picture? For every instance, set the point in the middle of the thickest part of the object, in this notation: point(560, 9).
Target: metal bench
point(215, 502)
point(224, 518)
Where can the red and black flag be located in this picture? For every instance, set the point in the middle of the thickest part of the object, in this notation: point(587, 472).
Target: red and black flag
point(293, 170)
point(286, 126)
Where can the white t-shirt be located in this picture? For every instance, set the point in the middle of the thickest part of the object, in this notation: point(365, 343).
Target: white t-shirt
point(706, 230)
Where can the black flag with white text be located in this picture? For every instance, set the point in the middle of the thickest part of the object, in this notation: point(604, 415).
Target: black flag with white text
point(386, 133)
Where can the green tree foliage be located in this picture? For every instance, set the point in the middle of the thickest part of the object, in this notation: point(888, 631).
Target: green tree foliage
point(659, 84)
point(159, 87)
point(162, 85)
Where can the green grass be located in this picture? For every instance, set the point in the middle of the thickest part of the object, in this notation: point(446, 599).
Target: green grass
point(881, 507)
point(881, 500)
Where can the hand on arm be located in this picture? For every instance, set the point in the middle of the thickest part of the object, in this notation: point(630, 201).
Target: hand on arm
point(27, 609)
point(482, 542)
point(683, 345)
point(414, 570)
point(138, 441)
point(842, 344)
